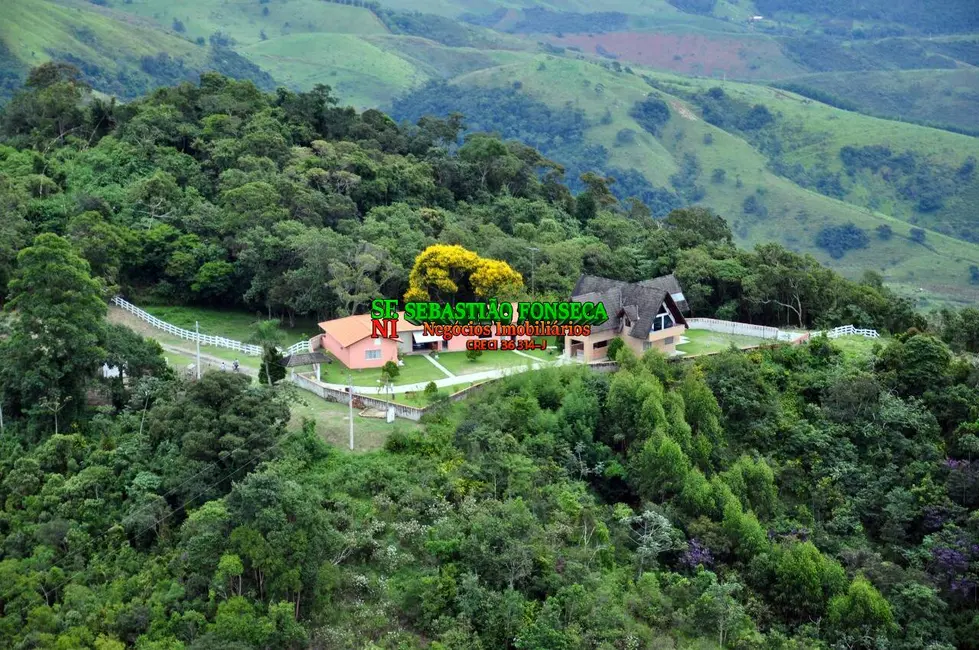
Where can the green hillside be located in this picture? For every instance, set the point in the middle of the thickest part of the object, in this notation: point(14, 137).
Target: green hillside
point(941, 98)
point(920, 175)
point(804, 172)
point(761, 205)
point(437, 60)
point(361, 73)
point(108, 46)
point(246, 20)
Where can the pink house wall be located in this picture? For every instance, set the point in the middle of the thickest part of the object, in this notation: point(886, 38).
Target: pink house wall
point(354, 356)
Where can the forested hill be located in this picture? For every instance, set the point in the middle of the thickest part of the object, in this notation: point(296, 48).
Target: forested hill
point(817, 497)
point(218, 193)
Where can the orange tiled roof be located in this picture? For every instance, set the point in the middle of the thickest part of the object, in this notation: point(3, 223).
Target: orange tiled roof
point(351, 329)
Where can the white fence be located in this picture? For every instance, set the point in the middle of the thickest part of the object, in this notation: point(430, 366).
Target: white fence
point(848, 330)
point(743, 329)
point(205, 339)
point(761, 331)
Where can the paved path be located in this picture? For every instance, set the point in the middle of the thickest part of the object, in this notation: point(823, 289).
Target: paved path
point(524, 354)
point(438, 365)
point(214, 361)
point(458, 380)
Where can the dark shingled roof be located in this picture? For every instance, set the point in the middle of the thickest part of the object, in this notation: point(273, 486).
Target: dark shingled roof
point(306, 359)
point(638, 302)
point(672, 285)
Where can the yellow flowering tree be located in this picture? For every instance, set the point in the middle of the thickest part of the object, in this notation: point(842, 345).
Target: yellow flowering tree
point(449, 273)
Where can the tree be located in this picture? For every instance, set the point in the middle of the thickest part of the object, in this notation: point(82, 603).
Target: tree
point(719, 606)
point(917, 235)
point(268, 335)
point(272, 370)
point(213, 279)
point(614, 346)
point(103, 245)
point(837, 240)
point(916, 365)
point(389, 372)
point(214, 430)
point(49, 108)
point(360, 278)
point(651, 113)
point(694, 226)
point(800, 580)
point(452, 273)
point(55, 346)
point(652, 534)
point(861, 614)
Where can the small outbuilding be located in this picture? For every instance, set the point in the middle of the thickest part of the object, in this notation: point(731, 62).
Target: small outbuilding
point(315, 359)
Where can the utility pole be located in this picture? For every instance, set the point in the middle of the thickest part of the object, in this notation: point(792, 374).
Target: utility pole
point(533, 271)
point(197, 332)
point(350, 390)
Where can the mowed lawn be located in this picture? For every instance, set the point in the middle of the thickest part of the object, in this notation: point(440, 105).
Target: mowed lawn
point(231, 324)
point(334, 427)
point(415, 370)
point(707, 342)
point(459, 364)
point(550, 353)
point(858, 348)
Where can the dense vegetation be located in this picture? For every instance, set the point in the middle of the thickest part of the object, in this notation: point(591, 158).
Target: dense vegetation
point(797, 497)
point(792, 498)
point(558, 134)
point(286, 202)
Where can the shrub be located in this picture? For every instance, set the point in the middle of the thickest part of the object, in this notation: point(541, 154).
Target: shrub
point(917, 235)
point(614, 346)
point(884, 232)
point(472, 355)
point(651, 114)
point(625, 136)
point(390, 370)
point(837, 240)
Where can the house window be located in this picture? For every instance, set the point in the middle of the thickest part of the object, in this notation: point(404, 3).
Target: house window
point(668, 340)
point(646, 345)
point(663, 320)
point(372, 354)
point(600, 345)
